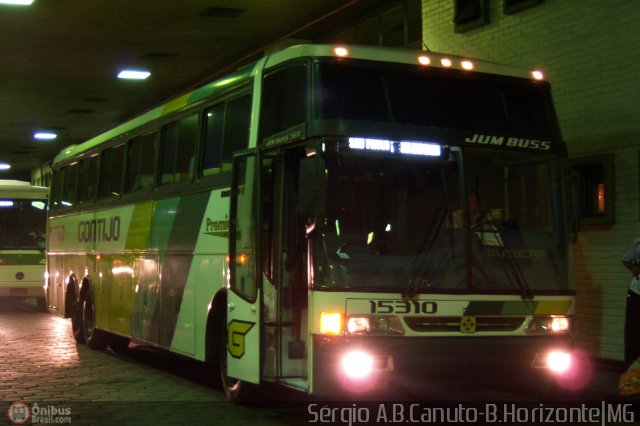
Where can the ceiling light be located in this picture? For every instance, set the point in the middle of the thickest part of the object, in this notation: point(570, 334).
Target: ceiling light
point(17, 2)
point(5, 166)
point(134, 74)
point(44, 136)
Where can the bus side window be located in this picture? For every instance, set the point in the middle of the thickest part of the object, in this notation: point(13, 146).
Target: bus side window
point(178, 148)
point(284, 100)
point(213, 119)
point(140, 161)
point(69, 185)
point(237, 118)
point(56, 187)
point(88, 179)
point(111, 172)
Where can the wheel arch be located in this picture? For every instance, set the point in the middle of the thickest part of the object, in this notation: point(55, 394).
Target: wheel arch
point(215, 320)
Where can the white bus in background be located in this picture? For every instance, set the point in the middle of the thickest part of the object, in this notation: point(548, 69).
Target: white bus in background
point(23, 219)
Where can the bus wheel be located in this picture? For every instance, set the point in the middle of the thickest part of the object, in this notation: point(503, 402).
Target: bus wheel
point(42, 304)
point(93, 337)
point(76, 319)
point(235, 389)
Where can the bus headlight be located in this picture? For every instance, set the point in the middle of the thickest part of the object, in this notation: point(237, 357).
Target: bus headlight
point(374, 324)
point(554, 324)
point(333, 323)
point(356, 325)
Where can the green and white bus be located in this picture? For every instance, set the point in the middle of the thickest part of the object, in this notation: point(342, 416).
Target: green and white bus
point(305, 221)
point(23, 221)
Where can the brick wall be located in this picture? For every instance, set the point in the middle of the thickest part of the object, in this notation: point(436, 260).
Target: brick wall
point(589, 51)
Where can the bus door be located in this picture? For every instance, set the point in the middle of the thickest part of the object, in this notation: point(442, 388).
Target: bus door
point(244, 298)
point(285, 271)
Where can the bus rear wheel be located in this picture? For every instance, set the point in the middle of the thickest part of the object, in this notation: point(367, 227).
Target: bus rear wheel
point(93, 337)
point(42, 304)
point(75, 312)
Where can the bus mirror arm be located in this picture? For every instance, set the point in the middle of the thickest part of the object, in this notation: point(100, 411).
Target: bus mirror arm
point(312, 185)
point(573, 180)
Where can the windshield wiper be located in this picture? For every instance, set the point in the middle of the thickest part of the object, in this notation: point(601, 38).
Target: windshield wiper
point(510, 267)
point(423, 264)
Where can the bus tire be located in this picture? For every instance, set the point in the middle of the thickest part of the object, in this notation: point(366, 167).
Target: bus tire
point(94, 338)
point(236, 390)
point(73, 307)
point(42, 304)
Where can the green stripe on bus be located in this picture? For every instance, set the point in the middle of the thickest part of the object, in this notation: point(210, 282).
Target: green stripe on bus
point(523, 307)
point(22, 259)
point(138, 236)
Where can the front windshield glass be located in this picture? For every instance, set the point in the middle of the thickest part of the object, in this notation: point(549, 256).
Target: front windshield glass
point(396, 222)
point(434, 97)
point(22, 224)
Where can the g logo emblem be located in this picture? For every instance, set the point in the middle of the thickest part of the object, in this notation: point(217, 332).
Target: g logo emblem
point(236, 330)
point(468, 325)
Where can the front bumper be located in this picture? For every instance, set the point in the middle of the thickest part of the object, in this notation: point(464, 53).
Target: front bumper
point(22, 290)
point(410, 362)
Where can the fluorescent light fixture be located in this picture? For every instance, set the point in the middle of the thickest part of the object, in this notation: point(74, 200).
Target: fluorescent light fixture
point(45, 136)
point(134, 74)
point(5, 166)
point(17, 2)
point(6, 203)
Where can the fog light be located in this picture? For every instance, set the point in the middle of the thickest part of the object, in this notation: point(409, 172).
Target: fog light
point(357, 365)
point(559, 361)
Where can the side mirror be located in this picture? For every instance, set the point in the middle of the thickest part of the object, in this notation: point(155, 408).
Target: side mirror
point(312, 186)
point(573, 180)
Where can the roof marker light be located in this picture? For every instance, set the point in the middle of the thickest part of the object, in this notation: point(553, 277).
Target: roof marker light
point(537, 75)
point(341, 51)
point(446, 62)
point(424, 60)
point(467, 65)
point(133, 74)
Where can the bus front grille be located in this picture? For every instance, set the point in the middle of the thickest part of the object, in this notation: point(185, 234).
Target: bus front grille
point(482, 323)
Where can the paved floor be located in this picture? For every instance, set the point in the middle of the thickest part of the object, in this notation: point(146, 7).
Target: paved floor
point(42, 366)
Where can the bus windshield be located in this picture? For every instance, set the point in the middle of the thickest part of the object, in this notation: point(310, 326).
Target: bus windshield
point(434, 97)
point(421, 224)
point(22, 224)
